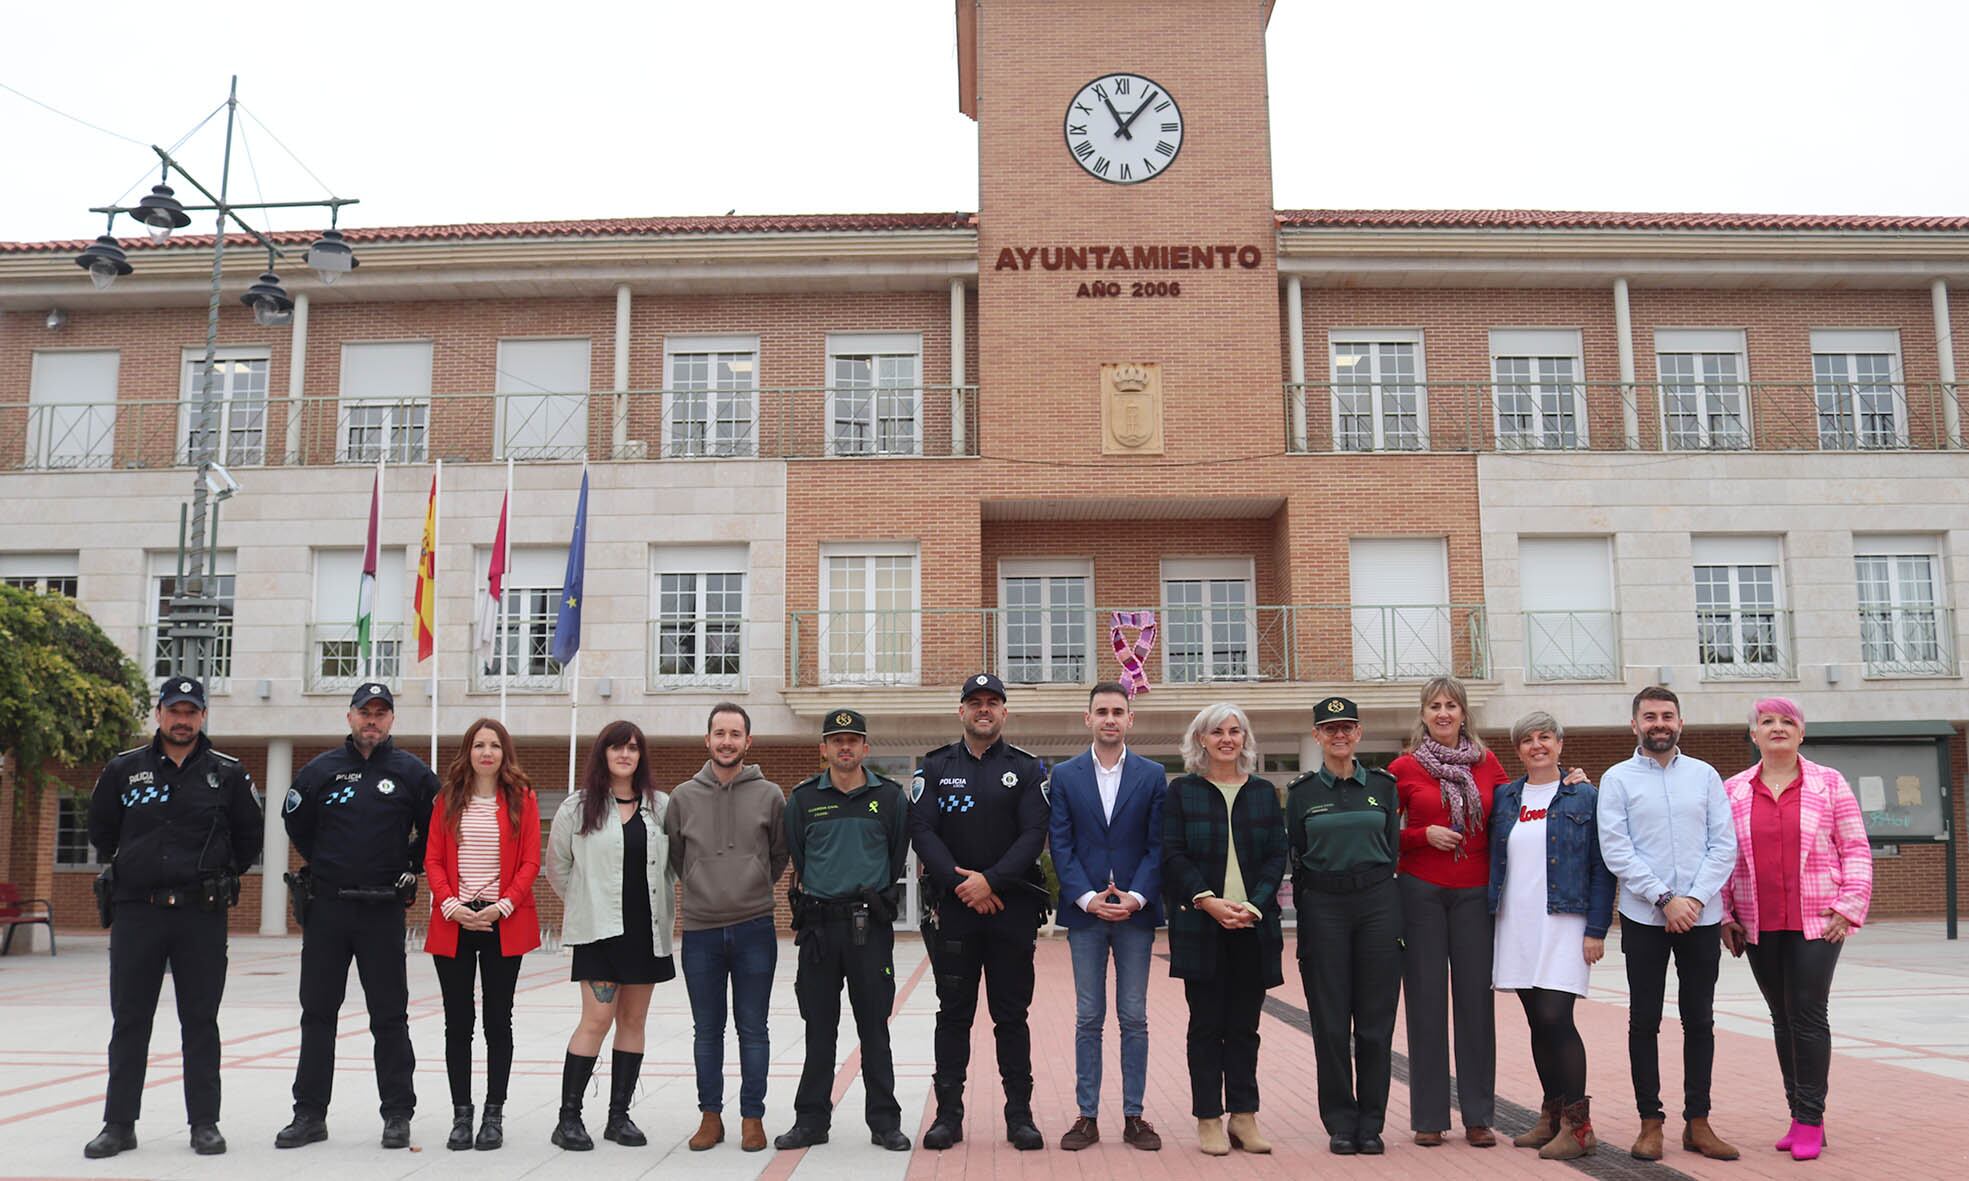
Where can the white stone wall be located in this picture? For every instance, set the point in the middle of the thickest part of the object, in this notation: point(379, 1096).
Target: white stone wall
point(1651, 505)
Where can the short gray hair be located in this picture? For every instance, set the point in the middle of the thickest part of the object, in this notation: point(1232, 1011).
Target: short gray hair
point(1534, 721)
point(1196, 754)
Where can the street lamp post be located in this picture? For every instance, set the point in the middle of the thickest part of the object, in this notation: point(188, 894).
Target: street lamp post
point(192, 620)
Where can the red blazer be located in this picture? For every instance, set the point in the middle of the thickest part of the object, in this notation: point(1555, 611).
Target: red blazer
point(519, 864)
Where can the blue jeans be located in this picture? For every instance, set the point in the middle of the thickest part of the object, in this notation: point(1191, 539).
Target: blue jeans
point(1131, 944)
point(743, 953)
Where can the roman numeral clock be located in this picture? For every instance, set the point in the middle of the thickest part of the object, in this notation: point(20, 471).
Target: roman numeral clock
point(1123, 129)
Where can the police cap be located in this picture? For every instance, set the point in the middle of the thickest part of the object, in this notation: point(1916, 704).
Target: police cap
point(1335, 709)
point(181, 689)
point(370, 691)
point(982, 683)
point(844, 721)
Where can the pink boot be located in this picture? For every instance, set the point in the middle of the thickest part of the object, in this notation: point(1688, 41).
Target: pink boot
point(1789, 1138)
point(1808, 1142)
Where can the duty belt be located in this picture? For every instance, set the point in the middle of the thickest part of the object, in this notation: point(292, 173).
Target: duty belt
point(177, 898)
point(1347, 883)
point(367, 893)
point(835, 908)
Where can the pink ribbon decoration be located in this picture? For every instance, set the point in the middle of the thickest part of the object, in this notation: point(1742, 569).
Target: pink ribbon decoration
point(1134, 675)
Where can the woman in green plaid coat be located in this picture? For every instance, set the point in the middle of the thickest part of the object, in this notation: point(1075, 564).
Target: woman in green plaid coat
point(1224, 853)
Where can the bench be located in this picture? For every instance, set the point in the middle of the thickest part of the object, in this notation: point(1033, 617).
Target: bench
point(17, 912)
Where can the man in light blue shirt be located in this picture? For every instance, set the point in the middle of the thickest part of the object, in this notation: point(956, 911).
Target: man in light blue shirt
point(1666, 833)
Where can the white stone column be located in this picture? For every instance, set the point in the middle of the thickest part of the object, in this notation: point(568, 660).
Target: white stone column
point(1310, 755)
point(1945, 361)
point(1295, 335)
point(1630, 411)
point(619, 413)
point(297, 368)
point(273, 859)
point(957, 375)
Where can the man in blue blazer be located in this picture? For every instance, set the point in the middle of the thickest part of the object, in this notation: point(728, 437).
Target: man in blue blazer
point(1106, 838)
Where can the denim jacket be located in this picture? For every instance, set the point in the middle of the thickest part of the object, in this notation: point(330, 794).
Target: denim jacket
point(1577, 881)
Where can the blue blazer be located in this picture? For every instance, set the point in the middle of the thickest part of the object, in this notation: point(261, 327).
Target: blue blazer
point(1089, 849)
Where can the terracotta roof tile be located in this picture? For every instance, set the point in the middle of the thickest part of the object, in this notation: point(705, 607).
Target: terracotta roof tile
point(1555, 219)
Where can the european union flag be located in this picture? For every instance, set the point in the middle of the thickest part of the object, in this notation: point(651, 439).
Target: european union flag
point(567, 623)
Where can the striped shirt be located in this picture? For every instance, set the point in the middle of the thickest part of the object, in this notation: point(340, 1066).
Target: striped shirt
point(478, 856)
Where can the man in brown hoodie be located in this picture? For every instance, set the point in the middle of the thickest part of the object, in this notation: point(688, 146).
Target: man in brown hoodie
point(728, 849)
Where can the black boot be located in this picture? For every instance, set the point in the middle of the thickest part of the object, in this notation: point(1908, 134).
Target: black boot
point(492, 1128)
point(1020, 1132)
point(114, 1138)
point(948, 1128)
point(461, 1128)
point(570, 1133)
point(305, 1128)
point(623, 1071)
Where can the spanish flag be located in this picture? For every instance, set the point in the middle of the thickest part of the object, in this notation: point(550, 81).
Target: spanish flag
point(427, 580)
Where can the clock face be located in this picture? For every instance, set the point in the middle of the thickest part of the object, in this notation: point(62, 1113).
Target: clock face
point(1123, 129)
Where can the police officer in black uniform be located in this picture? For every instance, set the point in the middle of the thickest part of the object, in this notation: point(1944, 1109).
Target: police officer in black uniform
point(846, 836)
point(358, 815)
point(978, 821)
point(177, 823)
point(1345, 823)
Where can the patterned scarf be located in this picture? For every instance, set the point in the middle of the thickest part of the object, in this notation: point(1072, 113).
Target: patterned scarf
point(1451, 767)
point(1133, 657)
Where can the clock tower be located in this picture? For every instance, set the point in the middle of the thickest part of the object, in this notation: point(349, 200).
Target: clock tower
point(1125, 226)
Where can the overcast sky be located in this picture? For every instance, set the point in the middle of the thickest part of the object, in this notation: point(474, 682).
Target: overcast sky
point(448, 112)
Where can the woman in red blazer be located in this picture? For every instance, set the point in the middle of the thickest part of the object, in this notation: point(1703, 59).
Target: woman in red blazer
point(481, 857)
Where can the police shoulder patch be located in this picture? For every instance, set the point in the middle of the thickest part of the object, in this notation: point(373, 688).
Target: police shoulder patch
point(916, 788)
point(293, 799)
point(1046, 789)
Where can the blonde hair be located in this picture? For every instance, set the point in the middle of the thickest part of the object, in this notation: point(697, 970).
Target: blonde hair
point(1453, 689)
point(1196, 755)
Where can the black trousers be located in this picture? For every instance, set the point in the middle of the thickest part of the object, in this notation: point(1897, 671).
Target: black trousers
point(1350, 961)
point(143, 941)
point(1446, 953)
point(1223, 1030)
point(997, 950)
point(828, 960)
point(371, 934)
point(1697, 952)
point(499, 975)
point(1795, 975)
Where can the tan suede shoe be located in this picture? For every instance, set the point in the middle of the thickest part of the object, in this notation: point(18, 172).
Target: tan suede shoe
point(752, 1135)
point(1211, 1139)
point(1244, 1134)
point(710, 1131)
point(1647, 1146)
point(1698, 1136)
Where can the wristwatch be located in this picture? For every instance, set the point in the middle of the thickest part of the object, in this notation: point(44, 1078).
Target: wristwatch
point(1662, 902)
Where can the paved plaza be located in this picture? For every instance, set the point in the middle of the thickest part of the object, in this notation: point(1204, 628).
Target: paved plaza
point(1900, 1081)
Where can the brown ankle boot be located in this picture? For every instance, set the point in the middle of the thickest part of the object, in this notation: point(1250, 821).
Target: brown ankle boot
point(1541, 1132)
point(1575, 1137)
point(1698, 1136)
point(1647, 1146)
point(710, 1131)
point(752, 1134)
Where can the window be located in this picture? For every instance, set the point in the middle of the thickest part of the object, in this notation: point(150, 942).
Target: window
point(71, 414)
point(874, 394)
point(1540, 401)
point(238, 435)
point(1209, 623)
point(45, 574)
point(543, 399)
point(1703, 403)
point(1378, 400)
point(870, 624)
point(698, 617)
point(1045, 621)
point(1856, 378)
point(1905, 628)
point(710, 402)
point(1401, 617)
point(521, 654)
point(72, 845)
point(386, 402)
point(157, 644)
point(334, 657)
point(1571, 630)
point(1742, 630)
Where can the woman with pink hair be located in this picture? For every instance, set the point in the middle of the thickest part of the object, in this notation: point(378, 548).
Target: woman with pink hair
point(1803, 878)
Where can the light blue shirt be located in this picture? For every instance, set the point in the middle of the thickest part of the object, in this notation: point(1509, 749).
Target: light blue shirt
point(1666, 830)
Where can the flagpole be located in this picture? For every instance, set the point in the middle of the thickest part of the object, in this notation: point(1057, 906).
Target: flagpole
point(437, 531)
point(573, 715)
point(506, 563)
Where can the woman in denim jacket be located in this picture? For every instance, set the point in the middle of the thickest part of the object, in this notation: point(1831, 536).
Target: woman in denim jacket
point(1553, 898)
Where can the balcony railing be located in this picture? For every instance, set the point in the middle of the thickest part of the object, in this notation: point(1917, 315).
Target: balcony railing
point(1325, 644)
point(154, 655)
point(334, 659)
point(705, 653)
point(1465, 416)
point(1745, 644)
point(806, 422)
point(1572, 646)
point(1907, 641)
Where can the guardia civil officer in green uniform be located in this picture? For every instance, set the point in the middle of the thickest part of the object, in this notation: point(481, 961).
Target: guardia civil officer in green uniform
point(1345, 824)
point(845, 831)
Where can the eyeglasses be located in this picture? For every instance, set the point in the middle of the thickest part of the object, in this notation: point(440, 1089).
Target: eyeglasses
point(1339, 727)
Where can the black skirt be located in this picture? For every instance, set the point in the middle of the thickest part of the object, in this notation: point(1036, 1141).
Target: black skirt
point(628, 958)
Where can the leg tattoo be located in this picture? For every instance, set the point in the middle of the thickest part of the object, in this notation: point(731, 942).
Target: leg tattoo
point(604, 991)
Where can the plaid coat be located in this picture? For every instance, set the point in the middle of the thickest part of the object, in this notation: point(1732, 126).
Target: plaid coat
point(1838, 862)
point(1196, 840)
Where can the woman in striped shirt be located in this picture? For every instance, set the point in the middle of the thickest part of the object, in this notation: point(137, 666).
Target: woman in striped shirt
point(481, 858)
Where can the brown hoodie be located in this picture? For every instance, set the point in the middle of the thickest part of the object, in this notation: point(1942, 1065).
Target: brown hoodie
point(727, 846)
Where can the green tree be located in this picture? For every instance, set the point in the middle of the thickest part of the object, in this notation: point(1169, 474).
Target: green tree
point(68, 695)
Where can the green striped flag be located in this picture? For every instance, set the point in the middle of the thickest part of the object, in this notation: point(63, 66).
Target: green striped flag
point(366, 594)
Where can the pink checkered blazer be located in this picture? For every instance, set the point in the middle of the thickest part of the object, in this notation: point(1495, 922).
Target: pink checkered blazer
point(1838, 870)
